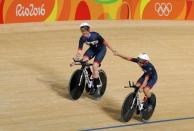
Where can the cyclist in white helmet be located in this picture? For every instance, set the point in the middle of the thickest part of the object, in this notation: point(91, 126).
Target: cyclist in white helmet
point(97, 50)
point(149, 77)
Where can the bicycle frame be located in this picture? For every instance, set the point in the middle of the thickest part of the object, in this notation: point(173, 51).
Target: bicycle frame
point(136, 98)
point(88, 81)
point(138, 101)
point(86, 74)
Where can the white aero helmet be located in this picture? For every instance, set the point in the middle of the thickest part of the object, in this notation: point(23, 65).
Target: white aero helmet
point(84, 25)
point(143, 56)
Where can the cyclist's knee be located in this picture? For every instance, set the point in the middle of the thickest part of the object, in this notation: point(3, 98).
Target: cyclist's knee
point(95, 66)
point(146, 91)
point(85, 58)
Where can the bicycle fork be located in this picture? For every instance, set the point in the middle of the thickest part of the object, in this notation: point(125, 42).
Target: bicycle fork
point(88, 81)
point(139, 104)
point(134, 99)
point(80, 80)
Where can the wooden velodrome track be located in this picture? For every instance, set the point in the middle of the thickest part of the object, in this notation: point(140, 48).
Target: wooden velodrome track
point(34, 75)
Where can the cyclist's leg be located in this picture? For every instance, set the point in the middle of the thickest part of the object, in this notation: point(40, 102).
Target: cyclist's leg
point(89, 54)
point(147, 89)
point(148, 101)
point(140, 81)
point(99, 56)
point(151, 82)
point(97, 61)
point(96, 79)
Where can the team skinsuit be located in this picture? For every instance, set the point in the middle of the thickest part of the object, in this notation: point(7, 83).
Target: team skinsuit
point(149, 70)
point(96, 49)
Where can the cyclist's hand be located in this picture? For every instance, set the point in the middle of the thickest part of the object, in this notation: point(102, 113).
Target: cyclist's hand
point(72, 64)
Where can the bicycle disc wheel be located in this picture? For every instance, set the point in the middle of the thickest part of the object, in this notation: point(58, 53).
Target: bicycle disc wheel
point(76, 90)
point(128, 107)
point(103, 78)
point(147, 114)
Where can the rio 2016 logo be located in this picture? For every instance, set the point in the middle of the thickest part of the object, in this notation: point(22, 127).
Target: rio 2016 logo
point(31, 10)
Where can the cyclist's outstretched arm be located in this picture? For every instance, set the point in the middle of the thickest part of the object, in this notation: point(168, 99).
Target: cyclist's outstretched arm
point(123, 56)
point(109, 46)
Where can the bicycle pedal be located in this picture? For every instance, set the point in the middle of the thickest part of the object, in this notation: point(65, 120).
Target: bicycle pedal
point(99, 86)
point(97, 92)
point(92, 91)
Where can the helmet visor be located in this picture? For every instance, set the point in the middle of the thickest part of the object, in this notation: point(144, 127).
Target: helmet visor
point(140, 61)
point(84, 28)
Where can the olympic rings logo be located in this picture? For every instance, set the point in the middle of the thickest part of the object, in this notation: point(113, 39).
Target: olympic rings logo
point(163, 9)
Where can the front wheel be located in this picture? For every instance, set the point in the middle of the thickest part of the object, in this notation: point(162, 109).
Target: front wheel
point(128, 107)
point(76, 84)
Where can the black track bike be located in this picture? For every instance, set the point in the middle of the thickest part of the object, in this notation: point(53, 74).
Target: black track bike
point(81, 79)
point(133, 103)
